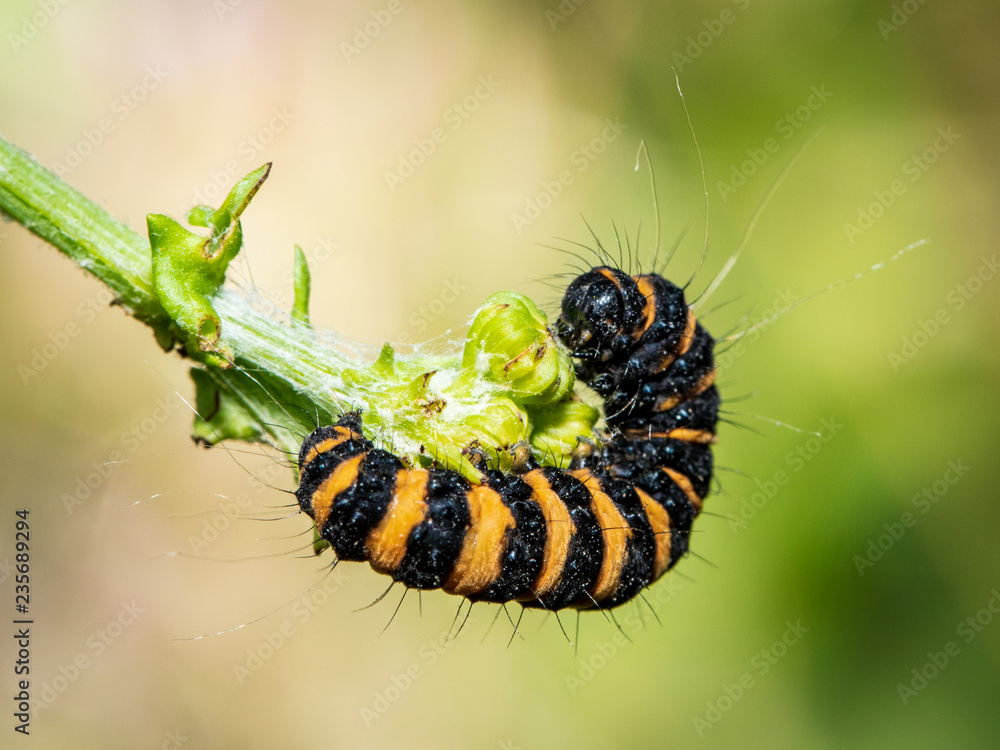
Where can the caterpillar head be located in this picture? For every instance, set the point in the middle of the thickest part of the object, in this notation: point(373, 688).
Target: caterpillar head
point(600, 312)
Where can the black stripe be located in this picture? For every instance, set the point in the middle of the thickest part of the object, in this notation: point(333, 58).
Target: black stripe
point(640, 556)
point(586, 548)
point(434, 544)
point(317, 470)
point(360, 508)
point(522, 560)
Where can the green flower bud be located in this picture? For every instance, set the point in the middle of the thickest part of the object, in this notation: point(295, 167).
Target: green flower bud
point(557, 429)
point(511, 345)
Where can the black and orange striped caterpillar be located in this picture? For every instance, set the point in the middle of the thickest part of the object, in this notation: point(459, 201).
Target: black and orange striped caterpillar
point(590, 536)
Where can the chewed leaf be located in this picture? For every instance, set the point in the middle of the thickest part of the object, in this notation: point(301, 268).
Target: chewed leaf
point(188, 269)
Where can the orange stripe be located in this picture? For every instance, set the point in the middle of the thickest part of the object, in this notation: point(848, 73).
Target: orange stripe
point(685, 484)
point(559, 530)
point(649, 309)
point(704, 437)
point(659, 521)
point(688, 335)
point(386, 544)
point(692, 436)
point(339, 480)
point(616, 532)
point(682, 347)
point(668, 403)
point(480, 561)
point(343, 435)
point(610, 276)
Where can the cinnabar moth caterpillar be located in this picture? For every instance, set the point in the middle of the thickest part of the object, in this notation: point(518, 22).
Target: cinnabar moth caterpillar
point(592, 535)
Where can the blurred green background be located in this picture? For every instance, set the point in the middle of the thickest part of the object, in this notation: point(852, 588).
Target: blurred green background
point(834, 568)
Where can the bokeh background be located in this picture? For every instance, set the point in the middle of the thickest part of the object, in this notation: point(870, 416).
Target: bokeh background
point(813, 596)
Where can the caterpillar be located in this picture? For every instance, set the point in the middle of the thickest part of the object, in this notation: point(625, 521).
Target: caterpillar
point(592, 535)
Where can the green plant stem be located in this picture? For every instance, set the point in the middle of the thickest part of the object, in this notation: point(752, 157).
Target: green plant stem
point(82, 230)
point(303, 371)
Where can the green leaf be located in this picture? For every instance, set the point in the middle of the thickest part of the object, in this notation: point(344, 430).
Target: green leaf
point(301, 283)
point(220, 415)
